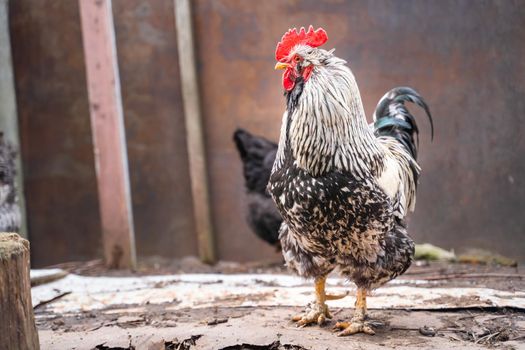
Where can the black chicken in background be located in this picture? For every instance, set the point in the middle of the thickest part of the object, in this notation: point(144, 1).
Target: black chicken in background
point(257, 155)
point(9, 211)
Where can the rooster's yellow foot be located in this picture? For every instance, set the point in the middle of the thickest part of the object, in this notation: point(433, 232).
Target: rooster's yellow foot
point(318, 313)
point(353, 327)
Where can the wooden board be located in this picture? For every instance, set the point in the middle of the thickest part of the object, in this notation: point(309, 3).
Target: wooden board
point(194, 291)
point(194, 131)
point(155, 133)
point(107, 124)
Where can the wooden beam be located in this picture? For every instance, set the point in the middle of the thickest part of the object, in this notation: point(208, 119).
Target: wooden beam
point(194, 131)
point(17, 321)
point(8, 112)
point(107, 124)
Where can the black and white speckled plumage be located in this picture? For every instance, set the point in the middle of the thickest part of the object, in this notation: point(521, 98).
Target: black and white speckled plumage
point(342, 190)
point(9, 210)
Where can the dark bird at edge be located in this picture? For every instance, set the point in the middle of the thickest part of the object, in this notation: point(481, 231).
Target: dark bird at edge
point(257, 155)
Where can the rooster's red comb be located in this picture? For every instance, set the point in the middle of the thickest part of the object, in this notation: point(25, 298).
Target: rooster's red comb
point(291, 38)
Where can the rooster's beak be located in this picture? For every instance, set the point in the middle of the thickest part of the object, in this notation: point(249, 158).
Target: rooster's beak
point(281, 65)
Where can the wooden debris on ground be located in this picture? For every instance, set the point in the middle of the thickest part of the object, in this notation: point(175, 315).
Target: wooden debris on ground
point(214, 290)
point(42, 276)
point(48, 301)
point(185, 344)
point(434, 305)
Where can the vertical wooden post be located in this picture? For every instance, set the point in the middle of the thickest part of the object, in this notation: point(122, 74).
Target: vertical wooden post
point(17, 322)
point(194, 131)
point(107, 123)
point(8, 113)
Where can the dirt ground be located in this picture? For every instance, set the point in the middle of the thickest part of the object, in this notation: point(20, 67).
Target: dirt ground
point(226, 326)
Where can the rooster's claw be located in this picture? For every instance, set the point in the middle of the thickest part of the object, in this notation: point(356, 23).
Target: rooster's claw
point(318, 313)
point(353, 327)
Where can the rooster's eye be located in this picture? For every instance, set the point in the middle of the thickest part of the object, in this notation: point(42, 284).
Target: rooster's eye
point(297, 58)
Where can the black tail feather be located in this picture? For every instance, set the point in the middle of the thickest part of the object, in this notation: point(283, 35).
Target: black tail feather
point(392, 118)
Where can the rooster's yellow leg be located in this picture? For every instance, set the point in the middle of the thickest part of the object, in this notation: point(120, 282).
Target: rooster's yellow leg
point(318, 312)
point(357, 324)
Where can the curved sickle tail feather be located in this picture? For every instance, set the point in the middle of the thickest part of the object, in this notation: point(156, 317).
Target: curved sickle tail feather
point(392, 118)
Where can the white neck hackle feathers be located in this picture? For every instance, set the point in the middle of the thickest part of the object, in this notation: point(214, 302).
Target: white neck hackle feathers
point(328, 128)
point(328, 131)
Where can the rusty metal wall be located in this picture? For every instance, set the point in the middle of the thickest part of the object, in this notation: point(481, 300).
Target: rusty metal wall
point(57, 152)
point(154, 118)
point(64, 221)
point(465, 57)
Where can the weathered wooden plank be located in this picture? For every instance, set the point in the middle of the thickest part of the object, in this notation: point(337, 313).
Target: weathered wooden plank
point(107, 123)
point(194, 131)
point(17, 322)
point(156, 137)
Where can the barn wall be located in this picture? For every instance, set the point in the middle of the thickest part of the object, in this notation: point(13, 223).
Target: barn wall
point(154, 118)
point(64, 221)
point(465, 57)
point(472, 191)
point(57, 151)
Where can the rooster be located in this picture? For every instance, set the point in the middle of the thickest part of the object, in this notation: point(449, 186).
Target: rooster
point(342, 187)
point(257, 155)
